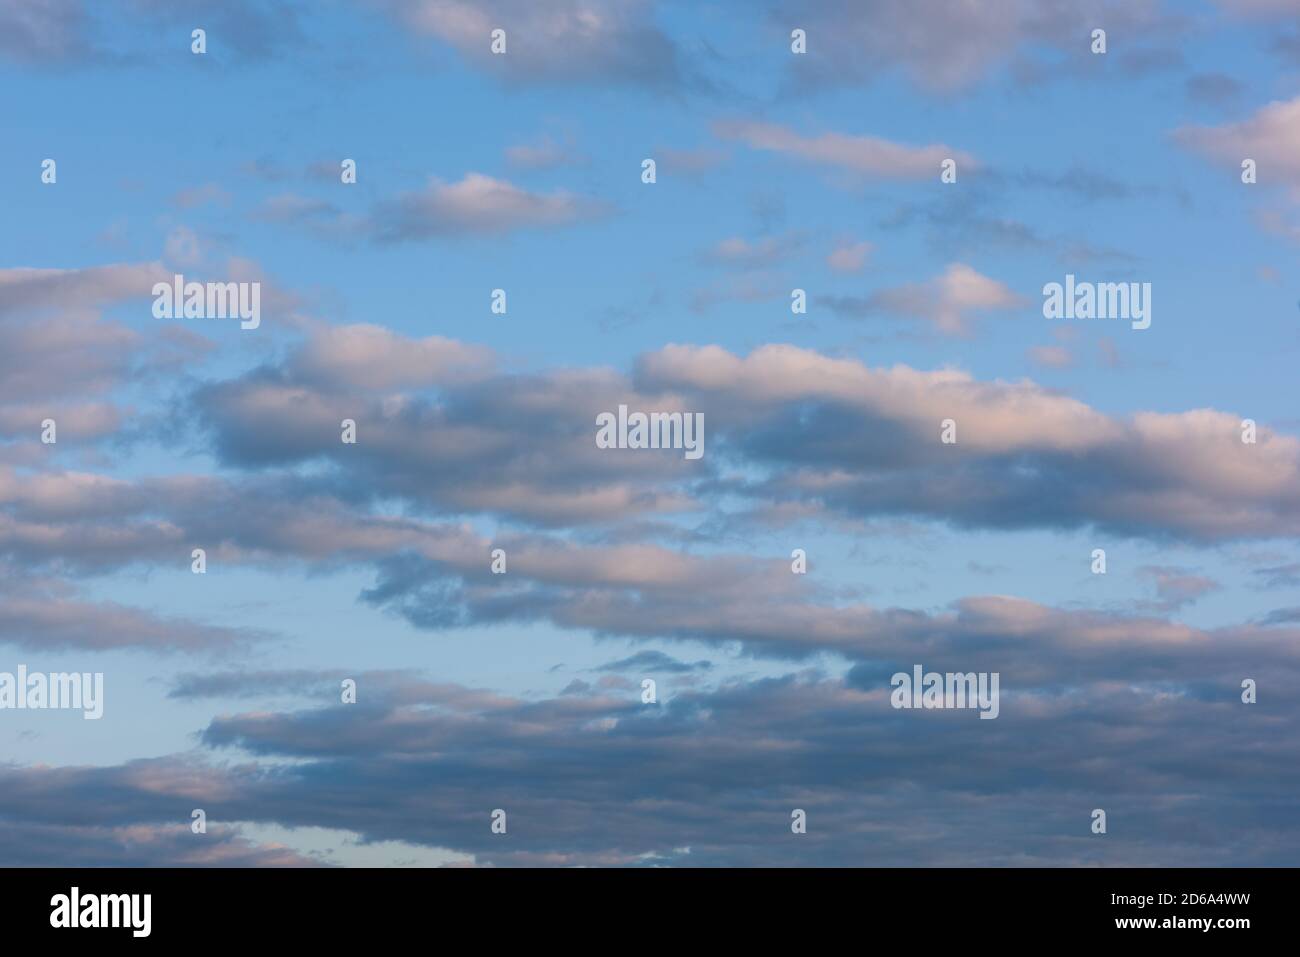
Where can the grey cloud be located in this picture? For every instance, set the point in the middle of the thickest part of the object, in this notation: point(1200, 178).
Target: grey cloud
point(1267, 136)
point(545, 153)
point(1282, 616)
point(250, 30)
point(523, 445)
point(437, 578)
point(42, 291)
point(71, 32)
point(1025, 457)
point(54, 31)
point(710, 777)
point(1213, 88)
point(857, 155)
point(476, 205)
point(45, 620)
point(1279, 576)
point(561, 42)
point(737, 252)
point(1287, 46)
point(956, 44)
point(948, 302)
point(161, 845)
point(655, 661)
point(1177, 587)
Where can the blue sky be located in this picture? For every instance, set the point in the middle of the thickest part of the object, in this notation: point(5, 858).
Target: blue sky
point(775, 171)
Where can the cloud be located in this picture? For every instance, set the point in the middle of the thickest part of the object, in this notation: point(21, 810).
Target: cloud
point(58, 356)
point(1077, 181)
point(1283, 616)
point(26, 290)
point(375, 689)
point(62, 360)
point(77, 421)
point(54, 622)
point(741, 253)
point(1270, 136)
point(1144, 61)
point(1176, 587)
point(306, 211)
point(522, 445)
point(69, 32)
point(1274, 223)
point(1253, 8)
point(773, 688)
point(849, 257)
point(546, 153)
point(201, 196)
point(956, 44)
point(1280, 576)
point(709, 777)
point(947, 302)
point(374, 357)
point(247, 30)
point(1051, 357)
point(435, 576)
point(516, 445)
point(1287, 46)
point(754, 286)
point(559, 42)
point(688, 162)
point(24, 844)
point(53, 31)
point(655, 661)
point(476, 205)
point(861, 155)
point(869, 446)
point(1213, 88)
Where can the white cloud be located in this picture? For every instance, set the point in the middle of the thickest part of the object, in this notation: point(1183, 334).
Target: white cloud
point(1271, 137)
point(849, 257)
point(477, 204)
point(864, 155)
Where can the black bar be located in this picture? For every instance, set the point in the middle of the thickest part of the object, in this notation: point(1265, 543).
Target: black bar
point(945, 907)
